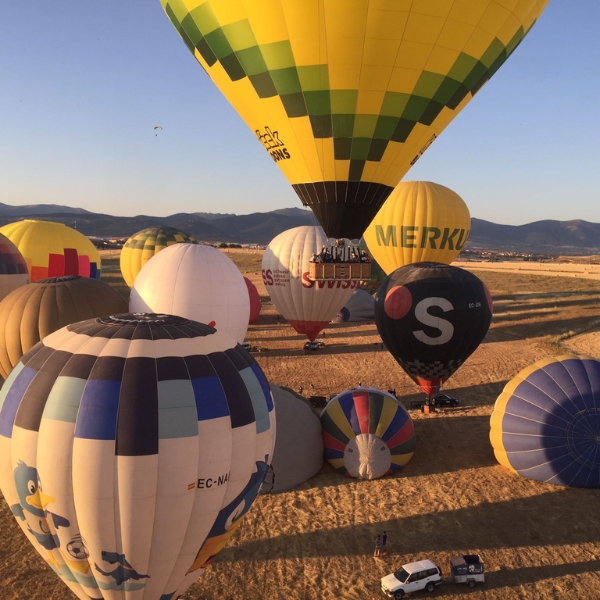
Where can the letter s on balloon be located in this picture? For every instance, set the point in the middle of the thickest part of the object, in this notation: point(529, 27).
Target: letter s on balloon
point(267, 276)
point(445, 328)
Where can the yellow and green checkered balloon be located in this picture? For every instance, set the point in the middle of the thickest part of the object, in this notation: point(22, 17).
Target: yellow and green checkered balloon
point(346, 95)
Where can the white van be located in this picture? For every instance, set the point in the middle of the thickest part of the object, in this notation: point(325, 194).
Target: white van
point(421, 575)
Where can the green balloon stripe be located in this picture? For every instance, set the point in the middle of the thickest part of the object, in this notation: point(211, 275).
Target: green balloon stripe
point(304, 91)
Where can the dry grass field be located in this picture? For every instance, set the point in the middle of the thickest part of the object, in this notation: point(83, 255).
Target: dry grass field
point(538, 541)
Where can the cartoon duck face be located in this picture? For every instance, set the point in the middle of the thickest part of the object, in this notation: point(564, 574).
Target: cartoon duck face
point(31, 497)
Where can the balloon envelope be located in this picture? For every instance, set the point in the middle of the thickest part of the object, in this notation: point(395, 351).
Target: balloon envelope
point(13, 268)
point(53, 249)
point(298, 453)
point(346, 96)
point(144, 244)
point(254, 297)
point(130, 448)
point(33, 311)
point(360, 307)
point(546, 423)
point(367, 433)
point(432, 317)
point(421, 221)
point(307, 305)
point(196, 282)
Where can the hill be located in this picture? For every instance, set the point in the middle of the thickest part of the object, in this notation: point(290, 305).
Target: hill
point(547, 237)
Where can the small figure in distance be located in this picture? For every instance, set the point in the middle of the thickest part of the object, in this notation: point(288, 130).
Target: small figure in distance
point(378, 546)
point(384, 544)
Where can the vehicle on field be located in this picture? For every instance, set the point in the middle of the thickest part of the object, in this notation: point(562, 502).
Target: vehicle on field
point(314, 346)
point(412, 577)
point(444, 400)
point(467, 568)
point(436, 401)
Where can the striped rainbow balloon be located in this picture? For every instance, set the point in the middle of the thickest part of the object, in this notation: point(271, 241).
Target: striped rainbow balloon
point(367, 433)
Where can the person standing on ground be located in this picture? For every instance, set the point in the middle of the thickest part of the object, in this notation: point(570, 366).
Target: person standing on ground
point(384, 543)
point(377, 546)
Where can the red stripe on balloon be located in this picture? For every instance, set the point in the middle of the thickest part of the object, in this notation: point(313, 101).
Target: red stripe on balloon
point(56, 265)
point(361, 403)
point(71, 262)
point(405, 433)
point(429, 386)
point(310, 329)
point(330, 442)
point(84, 266)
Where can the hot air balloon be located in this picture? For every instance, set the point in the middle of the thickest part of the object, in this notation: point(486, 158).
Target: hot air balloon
point(419, 222)
point(254, 297)
point(546, 423)
point(367, 433)
point(298, 453)
point(130, 448)
point(346, 96)
point(53, 249)
point(13, 268)
point(196, 282)
point(360, 307)
point(144, 244)
point(33, 311)
point(432, 317)
point(306, 304)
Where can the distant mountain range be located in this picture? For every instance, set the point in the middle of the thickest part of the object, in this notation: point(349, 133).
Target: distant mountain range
point(548, 237)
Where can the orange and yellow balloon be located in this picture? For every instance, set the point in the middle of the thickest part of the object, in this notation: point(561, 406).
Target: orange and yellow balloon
point(53, 250)
point(346, 95)
point(421, 221)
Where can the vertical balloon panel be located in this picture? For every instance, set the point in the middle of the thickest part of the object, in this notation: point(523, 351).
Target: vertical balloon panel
point(131, 448)
point(347, 96)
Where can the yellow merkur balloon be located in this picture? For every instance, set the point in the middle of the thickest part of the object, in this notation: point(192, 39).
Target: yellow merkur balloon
point(345, 95)
point(420, 221)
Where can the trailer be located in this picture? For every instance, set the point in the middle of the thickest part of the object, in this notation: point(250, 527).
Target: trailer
point(467, 568)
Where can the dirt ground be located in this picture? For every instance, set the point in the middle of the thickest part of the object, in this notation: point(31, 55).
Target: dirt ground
point(538, 541)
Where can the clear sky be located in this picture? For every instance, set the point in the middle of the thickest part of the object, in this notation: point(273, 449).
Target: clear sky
point(84, 82)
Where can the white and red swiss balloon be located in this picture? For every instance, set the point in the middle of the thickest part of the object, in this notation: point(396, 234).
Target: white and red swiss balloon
point(307, 305)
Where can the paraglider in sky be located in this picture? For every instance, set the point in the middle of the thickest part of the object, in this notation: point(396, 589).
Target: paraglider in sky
point(546, 423)
point(53, 249)
point(345, 97)
point(13, 268)
point(143, 245)
point(421, 221)
point(431, 317)
point(196, 282)
point(367, 433)
point(298, 453)
point(307, 305)
point(35, 310)
point(130, 449)
point(254, 297)
point(360, 307)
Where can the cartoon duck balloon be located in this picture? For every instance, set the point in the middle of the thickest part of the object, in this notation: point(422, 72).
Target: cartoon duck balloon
point(130, 448)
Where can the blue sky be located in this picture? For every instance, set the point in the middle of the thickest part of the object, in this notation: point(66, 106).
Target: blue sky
point(82, 85)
